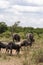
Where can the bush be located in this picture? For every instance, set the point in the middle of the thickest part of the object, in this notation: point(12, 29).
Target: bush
point(37, 56)
point(6, 34)
point(22, 35)
point(3, 27)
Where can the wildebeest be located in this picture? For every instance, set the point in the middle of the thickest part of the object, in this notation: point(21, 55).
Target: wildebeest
point(28, 41)
point(12, 45)
point(2, 45)
point(30, 37)
point(16, 37)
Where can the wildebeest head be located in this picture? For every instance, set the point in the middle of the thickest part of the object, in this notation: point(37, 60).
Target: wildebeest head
point(30, 37)
point(16, 37)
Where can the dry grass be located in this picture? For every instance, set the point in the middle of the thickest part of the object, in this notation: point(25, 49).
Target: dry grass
point(28, 56)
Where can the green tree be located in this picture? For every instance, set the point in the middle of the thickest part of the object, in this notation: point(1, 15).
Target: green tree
point(3, 27)
point(14, 27)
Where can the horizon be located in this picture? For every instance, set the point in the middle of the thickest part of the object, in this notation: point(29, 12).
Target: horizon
point(23, 26)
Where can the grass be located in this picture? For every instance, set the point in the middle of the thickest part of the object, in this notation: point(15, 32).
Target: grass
point(30, 56)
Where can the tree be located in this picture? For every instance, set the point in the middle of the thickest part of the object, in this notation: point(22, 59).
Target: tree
point(15, 26)
point(3, 27)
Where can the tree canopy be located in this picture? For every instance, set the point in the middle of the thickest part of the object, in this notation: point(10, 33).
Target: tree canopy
point(3, 27)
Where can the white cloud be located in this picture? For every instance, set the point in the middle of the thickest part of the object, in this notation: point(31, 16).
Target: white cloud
point(27, 8)
point(32, 22)
point(25, 20)
point(37, 2)
point(28, 15)
point(4, 4)
point(1, 17)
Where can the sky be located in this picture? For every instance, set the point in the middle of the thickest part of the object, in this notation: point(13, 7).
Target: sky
point(28, 12)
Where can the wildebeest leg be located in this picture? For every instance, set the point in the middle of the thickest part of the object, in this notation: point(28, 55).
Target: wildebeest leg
point(7, 50)
point(30, 45)
point(18, 50)
point(11, 52)
point(0, 49)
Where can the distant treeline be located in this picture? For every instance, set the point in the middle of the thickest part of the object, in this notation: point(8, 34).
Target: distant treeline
point(15, 28)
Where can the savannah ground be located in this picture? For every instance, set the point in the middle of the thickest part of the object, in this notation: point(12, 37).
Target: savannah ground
point(27, 56)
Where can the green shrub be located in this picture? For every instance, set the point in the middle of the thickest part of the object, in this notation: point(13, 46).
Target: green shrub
point(22, 35)
point(37, 56)
point(6, 34)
